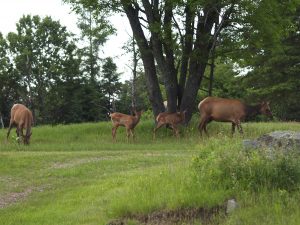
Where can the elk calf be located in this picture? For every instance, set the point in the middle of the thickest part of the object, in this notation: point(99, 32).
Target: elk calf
point(228, 110)
point(21, 116)
point(172, 119)
point(128, 121)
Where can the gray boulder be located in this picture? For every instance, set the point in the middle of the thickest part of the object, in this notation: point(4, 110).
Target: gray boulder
point(285, 140)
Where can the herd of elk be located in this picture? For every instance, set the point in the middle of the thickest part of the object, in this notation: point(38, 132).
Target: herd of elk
point(228, 110)
point(21, 117)
point(211, 109)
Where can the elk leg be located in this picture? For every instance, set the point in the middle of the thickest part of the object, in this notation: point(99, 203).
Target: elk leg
point(114, 131)
point(20, 128)
point(159, 125)
point(127, 134)
point(240, 127)
point(9, 128)
point(205, 130)
point(18, 132)
point(132, 133)
point(200, 127)
point(176, 131)
point(232, 128)
point(205, 122)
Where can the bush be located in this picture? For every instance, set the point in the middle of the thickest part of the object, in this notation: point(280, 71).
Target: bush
point(253, 171)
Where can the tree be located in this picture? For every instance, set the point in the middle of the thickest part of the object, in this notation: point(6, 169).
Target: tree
point(124, 99)
point(275, 76)
point(182, 35)
point(38, 50)
point(110, 84)
point(95, 30)
point(10, 88)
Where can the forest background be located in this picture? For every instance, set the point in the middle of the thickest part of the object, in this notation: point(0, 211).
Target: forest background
point(182, 51)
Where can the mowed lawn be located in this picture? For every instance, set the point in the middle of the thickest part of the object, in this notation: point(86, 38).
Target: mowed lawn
point(75, 174)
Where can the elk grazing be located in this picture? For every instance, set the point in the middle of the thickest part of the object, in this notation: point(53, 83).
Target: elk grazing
point(128, 121)
point(172, 119)
point(228, 110)
point(21, 116)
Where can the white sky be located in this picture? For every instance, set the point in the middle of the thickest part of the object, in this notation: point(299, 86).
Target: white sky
point(12, 10)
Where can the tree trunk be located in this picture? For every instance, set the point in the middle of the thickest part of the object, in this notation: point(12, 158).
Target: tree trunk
point(134, 73)
point(165, 63)
point(198, 61)
point(152, 84)
point(186, 51)
point(1, 121)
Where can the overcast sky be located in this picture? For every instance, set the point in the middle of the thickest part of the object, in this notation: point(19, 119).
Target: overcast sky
point(12, 10)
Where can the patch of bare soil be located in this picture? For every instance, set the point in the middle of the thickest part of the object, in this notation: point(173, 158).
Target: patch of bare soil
point(76, 163)
point(180, 216)
point(13, 197)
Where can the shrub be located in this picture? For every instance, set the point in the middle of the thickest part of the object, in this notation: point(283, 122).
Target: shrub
point(254, 171)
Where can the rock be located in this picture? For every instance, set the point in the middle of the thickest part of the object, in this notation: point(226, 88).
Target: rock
point(231, 206)
point(285, 140)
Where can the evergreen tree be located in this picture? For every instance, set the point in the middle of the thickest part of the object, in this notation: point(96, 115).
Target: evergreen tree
point(110, 84)
point(276, 76)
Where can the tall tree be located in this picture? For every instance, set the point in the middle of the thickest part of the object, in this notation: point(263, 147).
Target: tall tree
point(95, 30)
point(275, 75)
point(202, 27)
point(10, 88)
point(110, 84)
point(39, 50)
point(130, 47)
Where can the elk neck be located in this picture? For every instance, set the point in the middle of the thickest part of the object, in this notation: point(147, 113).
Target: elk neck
point(137, 118)
point(252, 110)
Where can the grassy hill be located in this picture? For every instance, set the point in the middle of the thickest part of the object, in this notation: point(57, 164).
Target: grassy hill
point(75, 174)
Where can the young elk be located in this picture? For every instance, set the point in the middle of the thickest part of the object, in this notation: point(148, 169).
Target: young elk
point(128, 121)
point(21, 116)
point(172, 119)
point(228, 110)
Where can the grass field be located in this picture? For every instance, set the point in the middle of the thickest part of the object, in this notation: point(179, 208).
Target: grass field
point(75, 174)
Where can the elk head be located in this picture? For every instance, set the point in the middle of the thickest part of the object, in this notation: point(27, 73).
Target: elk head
point(265, 109)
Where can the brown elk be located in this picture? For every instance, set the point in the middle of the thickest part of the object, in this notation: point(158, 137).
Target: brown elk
point(21, 116)
point(128, 121)
point(228, 110)
point(172, 119)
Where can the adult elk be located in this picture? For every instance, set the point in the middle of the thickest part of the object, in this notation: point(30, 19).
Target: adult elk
point(228, 110)
point(128, 121)
point(21, 116)
point(172, 119)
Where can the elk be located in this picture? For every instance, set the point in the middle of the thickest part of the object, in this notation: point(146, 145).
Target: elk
point(172, 119)
point(228, 110)
point(21, 116)
point(128, 121)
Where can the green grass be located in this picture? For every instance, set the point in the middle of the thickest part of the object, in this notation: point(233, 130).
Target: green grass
point(75, 174)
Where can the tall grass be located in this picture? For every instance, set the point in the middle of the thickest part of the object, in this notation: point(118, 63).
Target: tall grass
point(75, 174)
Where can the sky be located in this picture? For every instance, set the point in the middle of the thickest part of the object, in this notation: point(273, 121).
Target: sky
point(12, 10)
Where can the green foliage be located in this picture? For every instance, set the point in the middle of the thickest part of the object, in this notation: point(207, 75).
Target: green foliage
point(42, 67)
point(124, 101)
point(251, 171)
point(275, 76)
point(95, 30)
point(110, 84)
